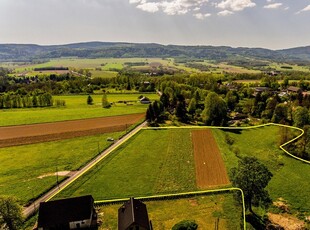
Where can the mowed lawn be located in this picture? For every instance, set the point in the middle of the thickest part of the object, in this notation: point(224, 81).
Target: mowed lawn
point(290, 179)
point(22, 166)
point(151, 162)
point(164, 214)
point(76, 108)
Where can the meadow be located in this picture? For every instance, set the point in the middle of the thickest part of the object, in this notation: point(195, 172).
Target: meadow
point(151, 162)
point(28, 171)
point(76, 108)
point(289, 182)
point(164, 214)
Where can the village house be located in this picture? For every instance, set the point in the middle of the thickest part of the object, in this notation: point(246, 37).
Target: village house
point(294, 89)
point(64, 214)
point(132, 215)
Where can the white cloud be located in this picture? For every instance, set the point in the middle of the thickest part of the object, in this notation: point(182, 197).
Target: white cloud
point(225, 13)
point(201, 16)
point(170, 7)
point(235, 5)
point(273, 6)
point(269, 0)
point(307, 8)
point(134, 1)
point(150, 7)
point(286, 8)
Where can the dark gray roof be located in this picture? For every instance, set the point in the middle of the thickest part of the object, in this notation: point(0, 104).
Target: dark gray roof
point(133, 212)
point(293, 88)
point(63, 211)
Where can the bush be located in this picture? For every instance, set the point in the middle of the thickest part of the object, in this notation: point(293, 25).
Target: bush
point(185, 225)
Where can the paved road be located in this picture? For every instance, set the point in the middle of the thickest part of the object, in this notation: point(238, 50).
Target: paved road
point(28, 211)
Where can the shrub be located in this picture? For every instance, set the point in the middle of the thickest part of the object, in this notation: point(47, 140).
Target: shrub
point(185, 225)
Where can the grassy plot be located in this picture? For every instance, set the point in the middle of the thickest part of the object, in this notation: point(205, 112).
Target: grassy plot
point(27, 171)
point(91, 63)
point(151, 162)
point(290, 179)
point(207, 211)
point(76, 108)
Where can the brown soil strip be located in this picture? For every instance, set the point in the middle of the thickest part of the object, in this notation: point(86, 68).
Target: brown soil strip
point(29, 134)
point(210, 168)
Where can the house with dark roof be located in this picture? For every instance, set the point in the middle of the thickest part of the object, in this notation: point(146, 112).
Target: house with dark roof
point(132, 215)
point(71, 213)
point(294, 89)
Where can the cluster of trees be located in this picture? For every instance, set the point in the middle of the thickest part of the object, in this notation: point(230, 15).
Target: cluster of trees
point(8, 100)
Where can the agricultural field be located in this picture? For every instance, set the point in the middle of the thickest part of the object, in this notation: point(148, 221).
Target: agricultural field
point(105, 64)
point(208, 211)
point(76, 108)
point(28, 171)
point(210, 168)
point(151, 162)
point(29, 134)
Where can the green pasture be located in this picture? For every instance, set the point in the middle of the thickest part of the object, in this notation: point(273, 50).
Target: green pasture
point(103, 74)
point(84, 63)
point(278, 66)
point(290, 179)
point(76, 108)
point(151, 162)
point(164, 214)
point(21, 166)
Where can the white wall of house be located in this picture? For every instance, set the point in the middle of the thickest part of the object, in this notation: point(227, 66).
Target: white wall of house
point(80, 223)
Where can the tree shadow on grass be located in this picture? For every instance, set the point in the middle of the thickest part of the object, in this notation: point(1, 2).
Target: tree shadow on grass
point(256, 221)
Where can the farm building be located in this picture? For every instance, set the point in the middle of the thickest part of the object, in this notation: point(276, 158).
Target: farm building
point(133, 215)
point(71, 213)
point(145, 100)
point(294, 89)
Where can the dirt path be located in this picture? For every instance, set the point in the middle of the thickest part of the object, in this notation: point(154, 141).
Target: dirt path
point(29, 134)
point(210, 168)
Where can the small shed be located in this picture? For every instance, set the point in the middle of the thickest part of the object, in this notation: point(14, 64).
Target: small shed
point(71, 213)
point(132, 215)
point(145, 100)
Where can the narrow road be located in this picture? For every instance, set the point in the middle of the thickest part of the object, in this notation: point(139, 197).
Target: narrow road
point(28, 211)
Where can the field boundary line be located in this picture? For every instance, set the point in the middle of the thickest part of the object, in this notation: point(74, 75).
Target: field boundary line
point(247, 127)
point(179, 195)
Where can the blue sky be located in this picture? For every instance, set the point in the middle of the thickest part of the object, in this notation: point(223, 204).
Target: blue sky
point(273, 24)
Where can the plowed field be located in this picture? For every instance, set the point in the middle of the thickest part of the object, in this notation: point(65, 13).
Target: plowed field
point(210, 168)
point(29, 134)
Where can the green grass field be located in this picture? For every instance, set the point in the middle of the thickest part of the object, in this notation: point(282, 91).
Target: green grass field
point(290, 179)
point(151, 162)
point(83, 63)
point(76, 108)
point(22, 165)
point(164, 214)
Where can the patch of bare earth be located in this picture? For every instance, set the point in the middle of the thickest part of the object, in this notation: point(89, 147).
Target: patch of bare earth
point(61, 173)
point(288, 222)
point(210, 167)
point(36, 133)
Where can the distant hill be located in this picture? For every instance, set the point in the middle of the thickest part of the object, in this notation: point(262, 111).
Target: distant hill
point(30, 52)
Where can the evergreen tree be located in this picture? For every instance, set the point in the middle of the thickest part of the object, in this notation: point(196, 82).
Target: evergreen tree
point(89, 100)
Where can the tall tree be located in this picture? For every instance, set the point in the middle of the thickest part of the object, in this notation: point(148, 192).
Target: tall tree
point(215, 111)
point(252, 177)
point(300, 116)
point(10, 213)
